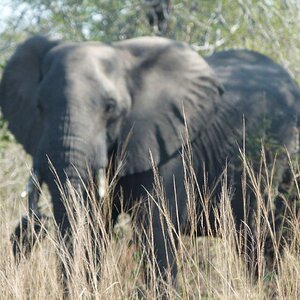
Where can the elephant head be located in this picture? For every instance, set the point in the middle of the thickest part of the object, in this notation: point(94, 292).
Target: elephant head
point(75, 103)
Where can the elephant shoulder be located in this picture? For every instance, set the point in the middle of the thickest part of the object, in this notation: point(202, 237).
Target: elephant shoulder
point(251, 75)
point(259, 91)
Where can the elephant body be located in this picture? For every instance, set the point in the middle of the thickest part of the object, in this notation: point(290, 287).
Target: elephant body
point(84, 105)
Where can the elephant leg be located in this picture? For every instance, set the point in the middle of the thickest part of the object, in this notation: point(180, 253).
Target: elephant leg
point(159, 246)
point(31, 228)
point(162, 233)
point(284, 215)
point(156, 231)
point(251, 245)
point(169, 216)
point(61, 218)
point(29, 231)
point(165, 245)
point(65, 251)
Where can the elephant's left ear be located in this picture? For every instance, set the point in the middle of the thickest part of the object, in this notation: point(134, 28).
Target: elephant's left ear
point(171, 87)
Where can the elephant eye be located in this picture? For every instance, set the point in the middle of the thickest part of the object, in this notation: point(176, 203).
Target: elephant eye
point(110, 105)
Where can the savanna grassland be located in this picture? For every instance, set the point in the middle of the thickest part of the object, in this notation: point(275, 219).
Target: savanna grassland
point(209, 267)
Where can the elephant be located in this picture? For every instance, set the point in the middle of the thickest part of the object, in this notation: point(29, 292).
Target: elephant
point(80, 104)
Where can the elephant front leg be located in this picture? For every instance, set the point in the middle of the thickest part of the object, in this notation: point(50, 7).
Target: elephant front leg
point(31, 228)
point(160, 244)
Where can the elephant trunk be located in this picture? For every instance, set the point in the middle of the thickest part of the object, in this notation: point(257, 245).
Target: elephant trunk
point(71, 161)
point(67, 184)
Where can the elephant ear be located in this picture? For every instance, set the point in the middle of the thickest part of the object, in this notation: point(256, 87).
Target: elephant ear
point(172, 88)
point(18, 90)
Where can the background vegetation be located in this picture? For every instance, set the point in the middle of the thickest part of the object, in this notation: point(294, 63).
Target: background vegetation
point(210, 268)
point(269, 26)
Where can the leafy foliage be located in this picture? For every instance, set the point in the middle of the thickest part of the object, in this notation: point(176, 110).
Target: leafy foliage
point(270, 26)
point(5, 136)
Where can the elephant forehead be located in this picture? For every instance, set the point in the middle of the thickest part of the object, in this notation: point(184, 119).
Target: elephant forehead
point(81, 66)
point(84, 55)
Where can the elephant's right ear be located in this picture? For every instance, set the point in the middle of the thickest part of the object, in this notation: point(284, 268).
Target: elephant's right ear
point(18, 90)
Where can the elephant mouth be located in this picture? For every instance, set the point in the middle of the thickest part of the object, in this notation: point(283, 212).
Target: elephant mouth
point(33, 189)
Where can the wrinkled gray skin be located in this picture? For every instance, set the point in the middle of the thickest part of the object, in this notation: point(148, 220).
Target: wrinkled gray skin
point(76, 103)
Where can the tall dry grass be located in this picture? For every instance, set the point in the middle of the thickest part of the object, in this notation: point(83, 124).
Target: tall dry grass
point(209, 267)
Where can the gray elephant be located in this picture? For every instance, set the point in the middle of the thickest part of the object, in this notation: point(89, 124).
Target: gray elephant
point(78, 104)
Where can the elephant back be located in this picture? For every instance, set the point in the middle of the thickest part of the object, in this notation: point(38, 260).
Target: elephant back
point(260, 93)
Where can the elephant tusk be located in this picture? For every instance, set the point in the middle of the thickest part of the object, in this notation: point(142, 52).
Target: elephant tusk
point(32, 192)
point(24, 193)
point(31, 184)
point(102, 183)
